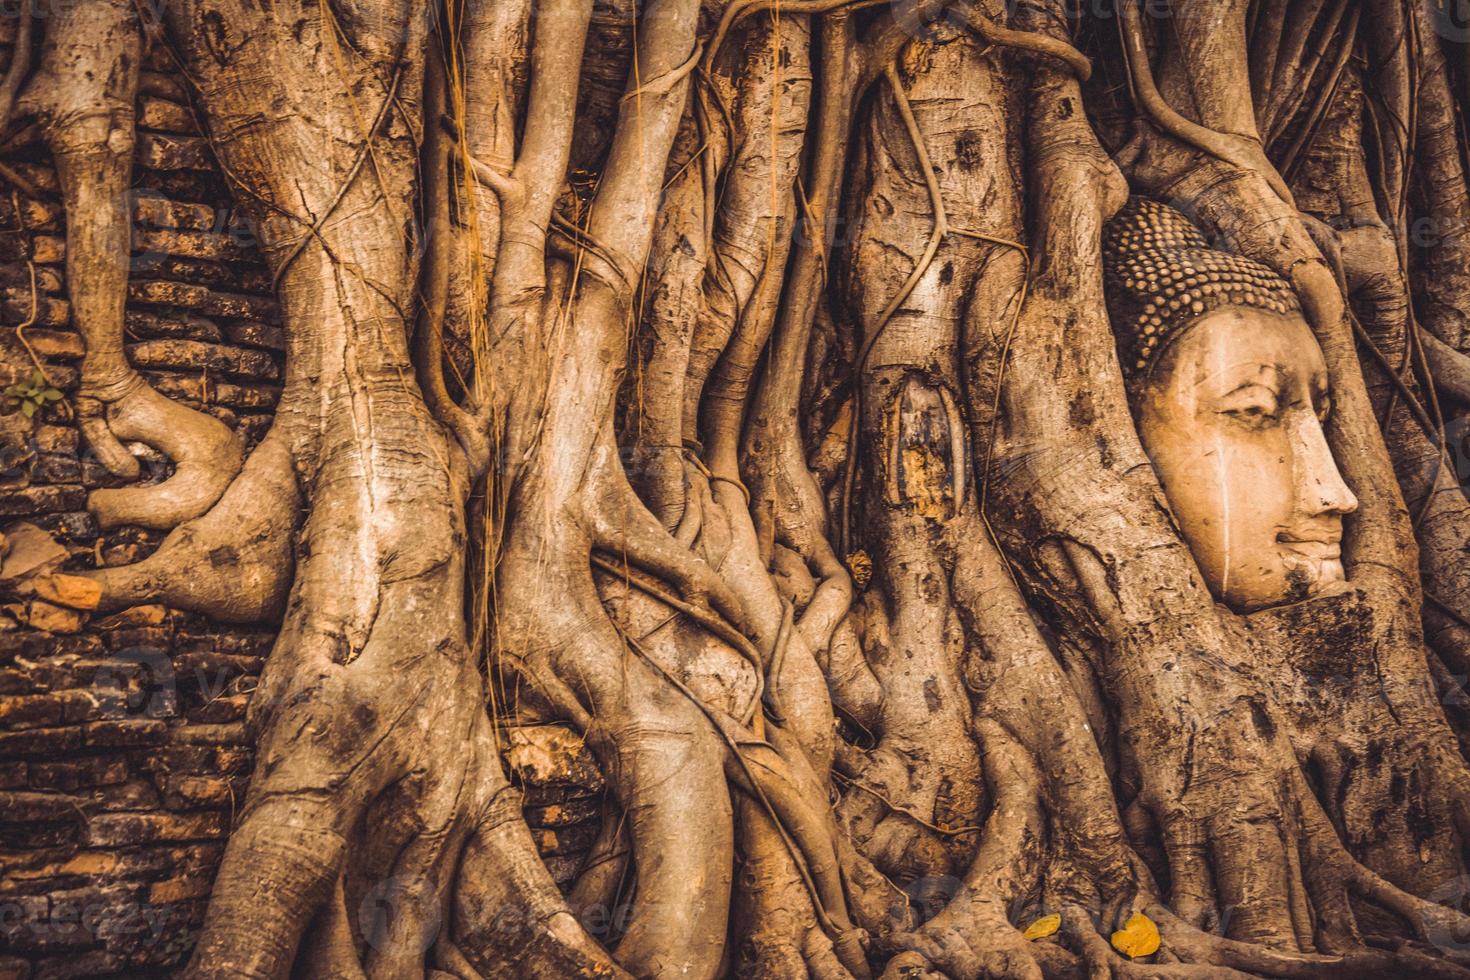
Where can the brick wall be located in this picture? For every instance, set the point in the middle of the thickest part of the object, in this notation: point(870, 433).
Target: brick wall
point(122, 752)
point(122, 749)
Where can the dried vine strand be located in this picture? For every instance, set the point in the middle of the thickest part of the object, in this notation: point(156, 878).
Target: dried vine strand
point(20, 331)
point(898, 808)
point(315, 227)
point(1049, 47)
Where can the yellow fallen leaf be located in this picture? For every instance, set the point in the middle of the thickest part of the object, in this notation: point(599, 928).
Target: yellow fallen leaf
point(1043, 927)
point(1138, 937)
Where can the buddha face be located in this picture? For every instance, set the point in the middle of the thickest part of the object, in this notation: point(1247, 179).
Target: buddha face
point(1231, 415)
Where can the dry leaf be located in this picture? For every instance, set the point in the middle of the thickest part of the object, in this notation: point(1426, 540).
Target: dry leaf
point(1138, 937)
point(1043, 927)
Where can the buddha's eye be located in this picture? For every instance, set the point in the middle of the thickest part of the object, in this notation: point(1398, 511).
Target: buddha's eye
point(1254, 405)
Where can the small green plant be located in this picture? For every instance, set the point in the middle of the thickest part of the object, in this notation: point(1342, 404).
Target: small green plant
point(33, 394)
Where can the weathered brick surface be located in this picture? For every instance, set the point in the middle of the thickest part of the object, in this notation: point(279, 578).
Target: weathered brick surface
point(123, 753)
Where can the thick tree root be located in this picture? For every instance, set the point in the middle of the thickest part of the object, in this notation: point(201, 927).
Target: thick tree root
point(84, 95)
point(234, 563)
point(205, 453)
point(508, 916)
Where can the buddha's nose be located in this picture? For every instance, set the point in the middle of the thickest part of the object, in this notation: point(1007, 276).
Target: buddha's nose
point(1322, 490)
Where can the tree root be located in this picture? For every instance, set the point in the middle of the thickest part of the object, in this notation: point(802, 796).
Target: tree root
point(1238, 151)
point(1450, 368)
point(624, 527)
point(643, 626)
point(508, 916)
point(972, 936)
point(292, 854)
point(235, 562)
point(206, 456)
point(20, 63)
point(83, 94)
point(787, 841)
point(658, 753)
point(1041, 44)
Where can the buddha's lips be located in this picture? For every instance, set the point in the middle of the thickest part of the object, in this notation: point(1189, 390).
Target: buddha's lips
point(1315, 553)
point(1311, 548)
point(1321, 542)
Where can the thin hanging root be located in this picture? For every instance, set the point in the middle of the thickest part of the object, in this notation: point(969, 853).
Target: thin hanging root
point(624, 527)
point(740, 9)
point(1236, 151)
point(428, 338)
point(30, 320)
point(906, 811)
point(661, 85)
point(1393, 374)
point(1282, 102)
point(1294, 155)
point(582, 239)
point(20, 62)
point(314, 232)
point(20, 183)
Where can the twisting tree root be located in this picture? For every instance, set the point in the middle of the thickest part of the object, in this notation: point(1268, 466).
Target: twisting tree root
point(83, 93)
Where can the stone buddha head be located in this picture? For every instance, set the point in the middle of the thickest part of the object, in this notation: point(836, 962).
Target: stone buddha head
point(1229, 392)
